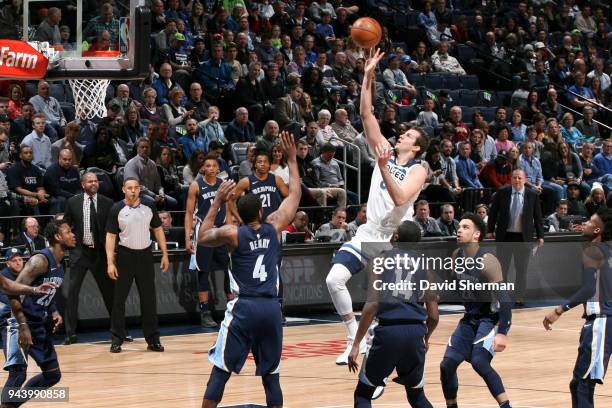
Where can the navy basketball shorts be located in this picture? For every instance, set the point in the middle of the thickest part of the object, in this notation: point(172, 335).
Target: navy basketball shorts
point(469, 334)
point(400, 347)
point(594, 350)
point(209, 259)
point(252, 324)
point(42, 349)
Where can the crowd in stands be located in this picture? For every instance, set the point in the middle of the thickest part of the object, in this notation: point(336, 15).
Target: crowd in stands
point(497, 84)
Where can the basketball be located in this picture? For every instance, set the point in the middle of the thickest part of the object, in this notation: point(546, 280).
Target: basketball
point(366, 32)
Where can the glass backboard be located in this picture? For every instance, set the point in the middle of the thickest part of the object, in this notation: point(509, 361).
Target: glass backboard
point(88, 39)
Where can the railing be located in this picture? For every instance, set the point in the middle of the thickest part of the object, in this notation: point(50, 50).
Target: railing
point(575, 112)
point(347, 166)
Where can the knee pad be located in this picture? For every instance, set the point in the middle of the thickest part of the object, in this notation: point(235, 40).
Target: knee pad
point(363, 394)
point(274, 394)
point(216, 384)
point(417, 398)
point(337, 278)
point(448, 378)
point(203, 284)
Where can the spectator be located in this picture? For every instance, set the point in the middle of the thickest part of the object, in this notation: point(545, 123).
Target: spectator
point(598, 71)
point(518, 129)
point(337, 230)
point(15, 103)
point(389, 126)
point(143, 169)
point(250, 94)
point(585, 22)
point(596, 199)
point(395, 79)
point(49, 107)
point(177, 56)
point(192, 140)
point(306, 109)
point(215, 75)
point(278, 166)
point(427, 19)
point(215, 149)
point(240, 129)
point(603, 161)
point(532, 167)
point(590, 172)
point(427, 117)
point(575, 206)
point(132, 127)
point(163, 85)
point(327, 172)
point(192, 170)
point(26, 180)
point(429, 226)
point(103, 22)
point(196, 103)
point(174, 111)
point(246, 166)
point(579, 89)
point(500, 121)
point(498, 172)
point(318, 6)
point(342, 126)
point(462, 130)
point(273, 85)
point(48, 30)
point(11, 17)
point(163, 37)
point(30, 238)
point(39, 142)
point(287, 111)
point(447, 223)
point(300, 224)
point(467, 171)
point(586, 126)
point(123, 99)
point(270, 136)
point(483, 212)
point(556, 219)
point(211, 129)
point(551, 107)
point(571, 134)
point(503, 141)
point(62, 181)
point(101, 153)
point(150, 110)
point(326, 134)
point(169, 176)
point(449, 167)
point(443, 62)
point(360, 219)
point(68, 142)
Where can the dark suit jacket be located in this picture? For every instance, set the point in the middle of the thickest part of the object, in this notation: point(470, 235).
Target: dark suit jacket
point(283, 113)
point(22, 242)
point(73, 215)
point(499, 218)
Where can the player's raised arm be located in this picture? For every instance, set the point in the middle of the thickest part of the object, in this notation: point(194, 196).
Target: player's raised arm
point(36, 266)
point(285, 213)
point(371, 129)
point(192, 194)
point(239, 190)
point(225, 235)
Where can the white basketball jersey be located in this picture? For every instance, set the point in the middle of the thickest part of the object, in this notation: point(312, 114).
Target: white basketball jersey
point(381, 209)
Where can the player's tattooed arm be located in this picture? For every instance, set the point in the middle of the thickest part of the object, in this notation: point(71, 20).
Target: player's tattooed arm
point(225, 235)
point(192, 195)
point(18, 288)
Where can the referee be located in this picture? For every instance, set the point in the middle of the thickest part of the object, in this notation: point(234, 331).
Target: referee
point(132, 221)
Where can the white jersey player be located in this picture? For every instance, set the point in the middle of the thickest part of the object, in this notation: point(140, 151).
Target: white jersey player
point(396, 183)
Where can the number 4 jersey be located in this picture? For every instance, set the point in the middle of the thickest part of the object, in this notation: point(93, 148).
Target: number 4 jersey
point(254, 263)
point(35, 307)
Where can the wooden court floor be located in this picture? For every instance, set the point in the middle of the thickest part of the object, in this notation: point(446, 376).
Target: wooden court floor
point(536, 369)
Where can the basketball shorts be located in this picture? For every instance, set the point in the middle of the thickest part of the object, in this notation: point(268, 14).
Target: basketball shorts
point(250, 325)
point(594, 350)
point(400, 347)
point(469, 334)
point(210, 259)
point(42, 349)
point(369, 241)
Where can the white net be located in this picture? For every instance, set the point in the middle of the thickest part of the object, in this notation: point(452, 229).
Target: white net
point(89, 95)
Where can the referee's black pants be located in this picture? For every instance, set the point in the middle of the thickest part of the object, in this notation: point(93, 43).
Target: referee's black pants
point(135, 265)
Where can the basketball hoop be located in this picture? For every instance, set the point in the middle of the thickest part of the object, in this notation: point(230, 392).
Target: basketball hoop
point(89, 96)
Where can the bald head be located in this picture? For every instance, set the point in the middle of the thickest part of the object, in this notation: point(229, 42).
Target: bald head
point(65, 158)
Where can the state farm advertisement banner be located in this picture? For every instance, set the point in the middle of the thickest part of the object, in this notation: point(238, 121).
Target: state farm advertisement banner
point(19, 60)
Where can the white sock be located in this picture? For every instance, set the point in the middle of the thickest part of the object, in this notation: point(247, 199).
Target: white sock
point(336, 281)
point(351, 328)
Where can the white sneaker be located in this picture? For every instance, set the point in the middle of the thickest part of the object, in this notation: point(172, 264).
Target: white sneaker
point(378, 392)
point(363, 346)
point(343, 358)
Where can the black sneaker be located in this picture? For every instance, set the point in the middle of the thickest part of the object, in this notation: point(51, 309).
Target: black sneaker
point(207, 321)
point(71, 339)
point(128, 339)
point(155, 347)
point(115, 348)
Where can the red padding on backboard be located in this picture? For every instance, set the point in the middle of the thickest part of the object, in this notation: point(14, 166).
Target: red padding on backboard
point(19, 60)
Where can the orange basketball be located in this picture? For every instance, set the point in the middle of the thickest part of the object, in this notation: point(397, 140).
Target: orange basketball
point(366, 32)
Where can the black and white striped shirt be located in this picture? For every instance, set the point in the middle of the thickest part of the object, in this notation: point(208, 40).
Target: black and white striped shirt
point(132, 224)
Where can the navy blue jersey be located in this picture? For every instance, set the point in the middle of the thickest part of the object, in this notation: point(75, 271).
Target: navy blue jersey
point(601, 301)
point(401, 304)
point(206, 196)
point(36, 307)
point(254, 263)
point(479, 304)
point(5, 305)
point(267, 191)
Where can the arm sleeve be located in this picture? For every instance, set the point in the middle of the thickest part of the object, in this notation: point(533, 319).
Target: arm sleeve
point(586, 291)
point(504, 312)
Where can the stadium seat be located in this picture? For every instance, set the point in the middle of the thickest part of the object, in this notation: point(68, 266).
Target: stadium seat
point(56, 90)
point(452, 81)
point(239, 152)
point(469, 82)
point(467, 112)
point(457, 97)
point(465, 53)
point(416, 80)
point(470, 97)
point(430, 131)
point(434, 81)
point(488, 112)
point(234, 172)
point(31, 89)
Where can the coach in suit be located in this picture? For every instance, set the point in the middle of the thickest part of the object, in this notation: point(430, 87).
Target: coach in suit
point(516, 217)
point(87, 213)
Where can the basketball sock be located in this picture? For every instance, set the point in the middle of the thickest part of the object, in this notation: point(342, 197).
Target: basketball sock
point(16, 378)
point(363, 395)
point(351, 328)
point(336, 284)
point(274, 394)
point(505, 404)
point(417, 398)
point(448, 378)
point(216, 384)
point(203, 307)
point(481, 361)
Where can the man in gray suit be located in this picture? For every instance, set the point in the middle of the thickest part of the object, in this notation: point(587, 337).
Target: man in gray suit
point(287, 112)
